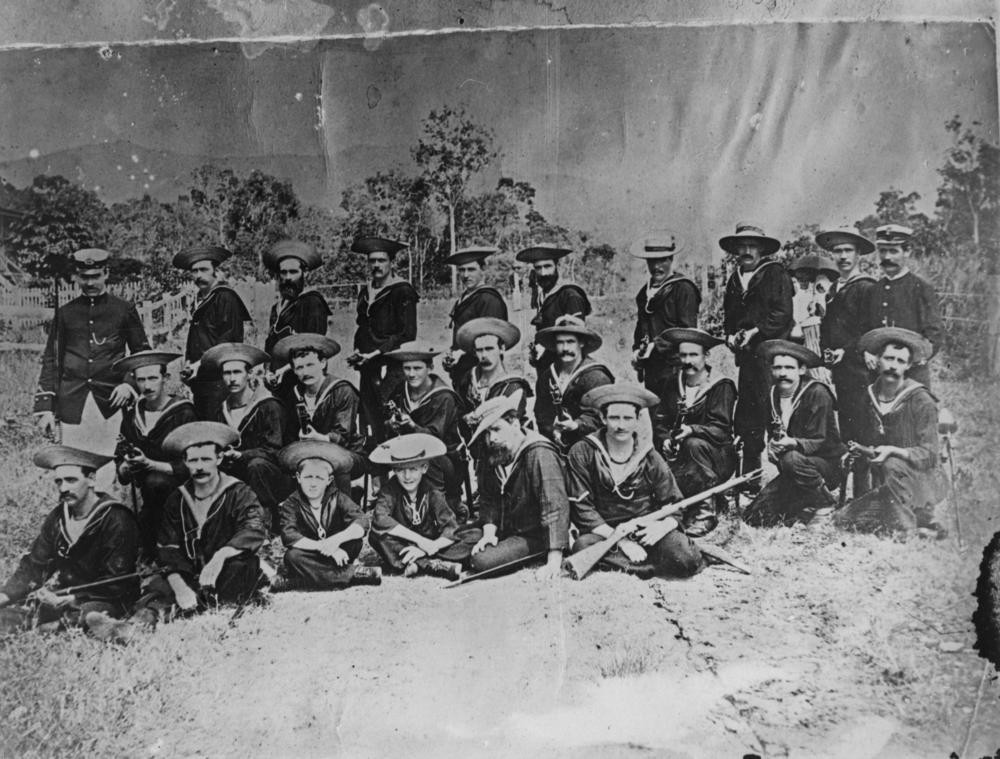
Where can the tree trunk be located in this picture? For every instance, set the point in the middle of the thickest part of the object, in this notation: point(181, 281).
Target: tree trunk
point(451, 230)
point(993, 326)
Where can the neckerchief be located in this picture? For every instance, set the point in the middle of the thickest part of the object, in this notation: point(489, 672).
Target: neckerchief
point(562, 385)
point(139, 417)
point(374, 295)
point(702, 389)
point(213, 290)
point(651, 291)
point(504, 472)
point(796, 399)
point(416, 508)
point(437, 387)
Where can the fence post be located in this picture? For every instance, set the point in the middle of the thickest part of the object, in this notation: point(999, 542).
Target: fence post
point(993, 326)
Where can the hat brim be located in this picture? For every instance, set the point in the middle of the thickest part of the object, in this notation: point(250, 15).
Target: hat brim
point(199, 433)
point(634, 395)
point(466, 336)
point(409, 449)
point(589, 339)
point(335, 455)
point(462, 257)
point(188, 258)
point(144, 358)
point(54, 456)
point(272, 259)
point(368, 245)
point(830, 239)
point(769, 245)
point(771, 348)
point(505, 404)
point(541, 253)
point(325, 346)
point(222, 353)
point(678, 335)
point(404, 356)
point(874, 342)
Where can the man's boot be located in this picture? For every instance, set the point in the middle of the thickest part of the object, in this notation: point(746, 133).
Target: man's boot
point(450, 570)
point(367, 576)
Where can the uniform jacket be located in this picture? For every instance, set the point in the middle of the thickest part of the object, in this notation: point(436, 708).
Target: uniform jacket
point(436, 413)
point(675, 304)
point(909, 422)
point(908, 302)
point(338, 513)
point(549, 401)
point(766, 304)
point(336, 413)
point(710, 415)
point(307, 313)
point(265, 428)
point(429, 515)
point(216, 318)
point(813, 422)
point(135, 432)
point(481, 301)
point(387, 319)
point(565, 298)
point(848, 317)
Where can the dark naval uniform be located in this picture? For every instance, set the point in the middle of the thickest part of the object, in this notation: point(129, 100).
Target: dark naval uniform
point(307, 313)
point(551, 400)
point(216, 318)
point(911, 303)
point(335, 413)
point(674, 304)
point(472, 395)
point(564, 299)
point(481, 301)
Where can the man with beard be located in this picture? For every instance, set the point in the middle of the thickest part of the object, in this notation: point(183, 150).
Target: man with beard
point(804, 441)
point(89, 537)
point(613, 479)
point(260, 421)
point(560, 414)
point(668, 300)
point(555, 299)
point(478, 300)
point(693, 425)
point(902, 427)
point(140, 457)
point(326, 406)
point(902, 299)
point(757, 306)
point(387, 318)
point(522, 492)
point(217, 317)
point(298, 309)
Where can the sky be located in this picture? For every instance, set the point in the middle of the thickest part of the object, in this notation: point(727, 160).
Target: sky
point(620, 130)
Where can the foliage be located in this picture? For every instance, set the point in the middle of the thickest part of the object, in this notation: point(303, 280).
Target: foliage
point(970, 185)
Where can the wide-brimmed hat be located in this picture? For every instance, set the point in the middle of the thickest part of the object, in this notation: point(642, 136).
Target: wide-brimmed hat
point(283, 249)
point(815, 264)
point(367, 245)
point(619, 392)
point(89, 259)
point(189, 257)
point(678, 335)
point(569, 325)
point(199, 433)
point(486, 325)
point(467, 255)
point(874, 342)
point(489, 411)
point(659, 244)
point(335, 455)
point(768, 349)
point(542, 252)
point(63, 455)
point(304, 341)
point(893, 234)
point(140, 359)
point(831, 238)
point(408, 449)
point(219, 354)
point(750, 233)
point(413, 350)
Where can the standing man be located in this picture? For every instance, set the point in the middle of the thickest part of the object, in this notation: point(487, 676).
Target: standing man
point(78, 387)
point(555, 298)
point(668, 300)
point(478, 300)
point(903, 299)
point(218, 316)
point(387, 318)
point(757, 306)
point(804, 441)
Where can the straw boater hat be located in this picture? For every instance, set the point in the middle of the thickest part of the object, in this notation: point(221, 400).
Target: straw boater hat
point(815, 265)
point(749, 232)
point(542, 252)
point(413, 351)
point(619, 392)
point(189, 257)
point(467, 255)
point(829, 239)
point(408, 449)
point(893, 234)
point(199, 433)
point(367, 245)
point(678, 335)
point(140, 359)
point(219, 354)
point(488, 412)
point(90, 259)
point(326, 347)
point(771, 348)
point(874, 342)
point(569, 325)
point(63, 455)
point(295, 453)
point(486, 325)
point(283, 249)
point(661, 244)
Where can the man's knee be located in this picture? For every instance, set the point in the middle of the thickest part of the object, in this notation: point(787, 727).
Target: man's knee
point(696, 448)
point(586, 540)
point(791, 463)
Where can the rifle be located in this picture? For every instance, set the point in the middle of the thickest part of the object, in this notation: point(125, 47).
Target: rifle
point(679, 421)
point(855, 451)
point(99, 583)
point(305, 422)
point(557, 398)
point(393, 415)
point(642, 353)
point(579, 564)
point(464, 457)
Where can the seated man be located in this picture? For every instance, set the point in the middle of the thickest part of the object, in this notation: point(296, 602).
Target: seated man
point(614, 479)
point(693, 425)
point(260, 421)
point(140, 456)
point(902, 427)
point(322, 528)
point(326, 406)
point(88, 538)
point(562, 383)
point(414, 529)
point(522, 491)
point(804, 440)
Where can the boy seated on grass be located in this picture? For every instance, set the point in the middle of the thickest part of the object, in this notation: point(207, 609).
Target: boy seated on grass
point(414, 529)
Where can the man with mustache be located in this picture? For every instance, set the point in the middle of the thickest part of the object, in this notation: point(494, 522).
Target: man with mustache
point(387, 318)
point(88, 537)
point(218, 316)
point(902, 427)
point(487, 339)
point(902, 299)
point(478, 300)
point(613, 479)
point(139, 455)
point(78, 387)
point(757, 306)
point(804, 442)
point(555, 299)
point(668, 300)
point(560, 413)
point(522, 492)
point(693, 425)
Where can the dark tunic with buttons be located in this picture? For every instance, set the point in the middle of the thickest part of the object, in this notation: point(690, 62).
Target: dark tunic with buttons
point(550, 401)
point(911, 303)
point(480, 302)
point(674, 304)
point(87, 336)
point(307, 313)
point(335, 413)
point(216, 318)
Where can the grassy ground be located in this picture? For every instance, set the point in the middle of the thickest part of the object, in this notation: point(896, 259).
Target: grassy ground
point(838, 645)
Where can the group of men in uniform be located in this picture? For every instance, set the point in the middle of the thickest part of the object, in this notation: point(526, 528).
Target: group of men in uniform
point(466, 474)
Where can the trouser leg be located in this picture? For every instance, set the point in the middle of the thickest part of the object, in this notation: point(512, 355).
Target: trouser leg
point(318, 571)
point(507, 550)
point(465, 540)
point(751, 415)
point(810, 473)
point(267, 480)
point(154, 489)
point(240, 577)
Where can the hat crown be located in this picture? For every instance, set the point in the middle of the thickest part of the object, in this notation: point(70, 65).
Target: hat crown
point(746, 228)
point(892, 232)
point(91, 257)
point(569, 320)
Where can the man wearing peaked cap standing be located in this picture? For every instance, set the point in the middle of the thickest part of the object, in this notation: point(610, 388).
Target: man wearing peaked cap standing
point(668, 300)
point(478, 300)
